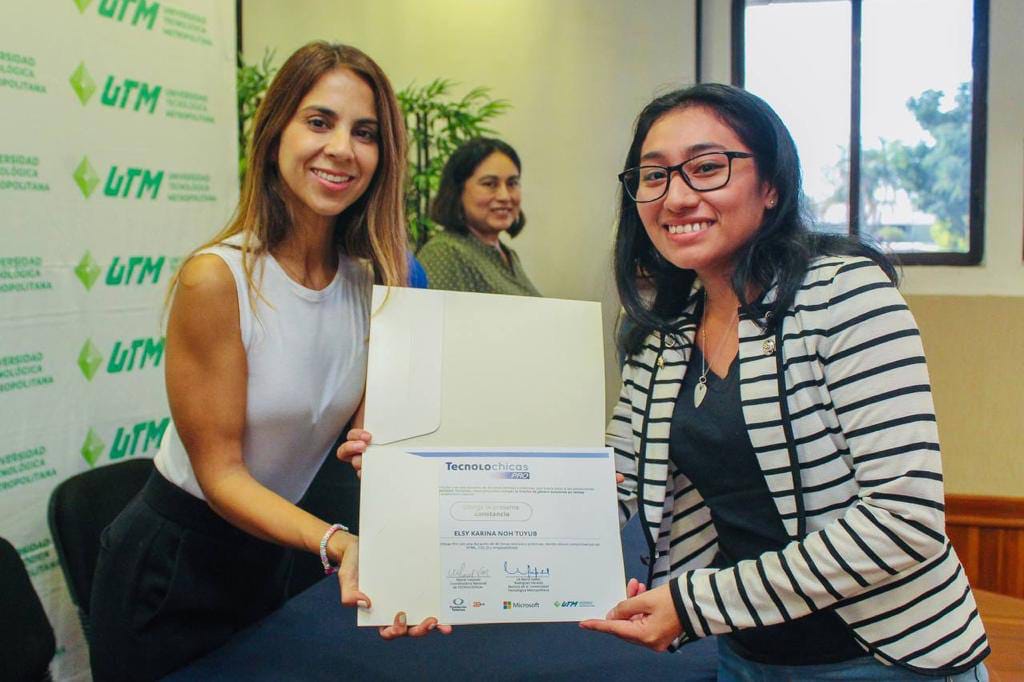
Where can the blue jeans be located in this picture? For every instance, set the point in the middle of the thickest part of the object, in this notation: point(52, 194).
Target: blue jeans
point(734, 668)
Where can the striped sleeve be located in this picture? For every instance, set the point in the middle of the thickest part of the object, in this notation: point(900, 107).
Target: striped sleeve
point(874, 370)
point(619, 437)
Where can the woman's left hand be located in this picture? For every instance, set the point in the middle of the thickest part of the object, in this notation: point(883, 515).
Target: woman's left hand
point(648, 619)
point(346, 546)
point(400, 629)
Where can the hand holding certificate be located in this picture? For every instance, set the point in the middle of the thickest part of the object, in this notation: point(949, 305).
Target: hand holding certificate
point(521, 526)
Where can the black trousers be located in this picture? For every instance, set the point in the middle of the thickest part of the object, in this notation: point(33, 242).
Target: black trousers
point(174, 581)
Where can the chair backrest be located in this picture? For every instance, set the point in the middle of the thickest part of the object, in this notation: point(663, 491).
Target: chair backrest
point(26, 638)
point(80, 508)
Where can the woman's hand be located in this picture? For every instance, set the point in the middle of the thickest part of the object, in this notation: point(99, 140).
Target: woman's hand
point(400, 629)
point(648, 618)
point(634, 587)
point(352, 449)
point(343, 548)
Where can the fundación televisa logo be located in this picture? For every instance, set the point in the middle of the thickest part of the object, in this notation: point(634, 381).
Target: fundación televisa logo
point(124, 270)
point(117, 10)
point(119, 183)
point(117, 93)
point(125, 356)
point(129, 440)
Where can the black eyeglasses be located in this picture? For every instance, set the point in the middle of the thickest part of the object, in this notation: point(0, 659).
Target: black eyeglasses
point(703, 173)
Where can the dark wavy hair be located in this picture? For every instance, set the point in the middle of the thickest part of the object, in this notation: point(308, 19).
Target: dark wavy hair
point(777, 254)
point(447, 207)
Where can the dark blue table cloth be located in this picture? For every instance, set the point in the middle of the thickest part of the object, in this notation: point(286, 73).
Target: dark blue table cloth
point(313, 638)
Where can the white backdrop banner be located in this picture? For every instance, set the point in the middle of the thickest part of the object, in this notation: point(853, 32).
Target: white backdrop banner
point(117, 157)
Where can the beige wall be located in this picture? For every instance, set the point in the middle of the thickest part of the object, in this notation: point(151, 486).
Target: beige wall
point(578, 72)
point(973, 345)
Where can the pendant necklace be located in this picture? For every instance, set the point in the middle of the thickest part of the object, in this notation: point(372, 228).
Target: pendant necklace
point(701, 389)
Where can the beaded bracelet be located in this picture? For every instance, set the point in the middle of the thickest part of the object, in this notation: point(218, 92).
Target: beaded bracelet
point(328, 568)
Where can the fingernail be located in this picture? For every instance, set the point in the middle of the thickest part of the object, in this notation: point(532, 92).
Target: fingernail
point(432, 626)
point(401, 618)
point(363, 604)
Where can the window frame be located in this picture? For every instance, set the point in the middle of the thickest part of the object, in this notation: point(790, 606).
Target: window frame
point(979, 129)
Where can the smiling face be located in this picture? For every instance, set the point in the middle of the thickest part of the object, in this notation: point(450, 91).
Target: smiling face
point(491, 196)
point(329, 150)
point(701, 231)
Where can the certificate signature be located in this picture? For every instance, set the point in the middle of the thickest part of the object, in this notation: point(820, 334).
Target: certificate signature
point(527, 536)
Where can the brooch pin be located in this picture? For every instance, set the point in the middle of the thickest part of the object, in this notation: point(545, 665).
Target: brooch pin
point(768, 347)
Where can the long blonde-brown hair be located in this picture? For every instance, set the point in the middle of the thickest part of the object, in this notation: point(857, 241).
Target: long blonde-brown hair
point(374, 226)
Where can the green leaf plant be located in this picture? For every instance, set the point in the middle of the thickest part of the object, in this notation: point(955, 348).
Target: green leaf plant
point(252, 81)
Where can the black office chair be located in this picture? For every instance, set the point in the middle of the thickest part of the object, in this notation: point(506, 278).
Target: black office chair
point(80, 508)
point(26, 637)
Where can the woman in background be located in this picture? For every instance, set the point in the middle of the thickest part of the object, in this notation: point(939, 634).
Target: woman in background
point(775, 428)
point(266, 361)
point(477, 201)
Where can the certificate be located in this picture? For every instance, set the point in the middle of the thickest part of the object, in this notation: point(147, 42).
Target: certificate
point(498, 535)
point(523, 518)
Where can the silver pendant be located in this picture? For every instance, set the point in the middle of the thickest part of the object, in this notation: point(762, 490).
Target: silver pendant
point(768, 347)
point(699, 391)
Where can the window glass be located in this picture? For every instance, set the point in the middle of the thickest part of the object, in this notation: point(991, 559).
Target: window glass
point(797, 58)
point(915, 168)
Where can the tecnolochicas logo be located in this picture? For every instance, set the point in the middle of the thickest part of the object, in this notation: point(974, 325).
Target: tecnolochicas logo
point(496, 469)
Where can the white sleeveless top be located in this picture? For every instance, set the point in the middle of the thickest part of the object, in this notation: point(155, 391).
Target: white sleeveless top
point(306, 355)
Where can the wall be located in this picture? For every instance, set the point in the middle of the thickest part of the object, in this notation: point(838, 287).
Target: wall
point(577, 73)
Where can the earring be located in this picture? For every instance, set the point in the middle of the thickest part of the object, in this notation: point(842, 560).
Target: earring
point(771, 204)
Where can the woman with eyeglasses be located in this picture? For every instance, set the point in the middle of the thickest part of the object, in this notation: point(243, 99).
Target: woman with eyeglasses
point(775, 431)
point(477, 201)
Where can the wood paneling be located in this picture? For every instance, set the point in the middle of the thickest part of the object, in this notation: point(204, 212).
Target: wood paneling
point(1004, 622)
point(988, 535)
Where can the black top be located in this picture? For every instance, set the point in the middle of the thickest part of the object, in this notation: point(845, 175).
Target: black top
point(710, 446)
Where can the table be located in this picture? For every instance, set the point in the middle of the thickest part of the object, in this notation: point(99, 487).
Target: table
point(313, 638)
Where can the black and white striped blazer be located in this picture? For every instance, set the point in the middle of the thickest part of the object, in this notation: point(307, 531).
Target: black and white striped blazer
point(839, 411)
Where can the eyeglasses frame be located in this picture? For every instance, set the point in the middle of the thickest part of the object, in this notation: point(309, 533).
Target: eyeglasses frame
point(679, 168)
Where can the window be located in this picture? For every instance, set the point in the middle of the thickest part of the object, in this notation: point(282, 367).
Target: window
point(886, 102)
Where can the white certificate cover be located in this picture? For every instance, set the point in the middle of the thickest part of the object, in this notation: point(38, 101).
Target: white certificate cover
point(489, 535)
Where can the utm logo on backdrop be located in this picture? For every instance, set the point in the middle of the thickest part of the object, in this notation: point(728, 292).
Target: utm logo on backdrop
point(125, 270)
point(125, 356)
point(134, 12)
point(120, 184)
point(129, 440)
point(123, 93)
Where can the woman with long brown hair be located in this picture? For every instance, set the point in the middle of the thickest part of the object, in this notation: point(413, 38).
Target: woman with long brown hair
point(266, 361)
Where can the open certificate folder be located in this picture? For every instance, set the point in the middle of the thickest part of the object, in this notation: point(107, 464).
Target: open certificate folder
point(487, 495)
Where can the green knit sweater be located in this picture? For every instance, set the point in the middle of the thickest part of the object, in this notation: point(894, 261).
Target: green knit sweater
point(463, 263)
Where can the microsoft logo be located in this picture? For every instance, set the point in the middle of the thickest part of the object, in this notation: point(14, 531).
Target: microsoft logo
point(87, 271)
point(92, 448)
point(506, 605)
point(89, 359)
point(82, 83)
point(85, 177)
